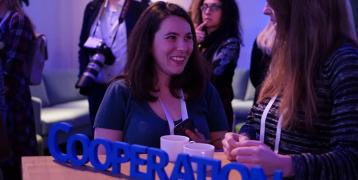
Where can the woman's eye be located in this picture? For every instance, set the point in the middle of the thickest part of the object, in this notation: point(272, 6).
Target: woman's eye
point(171, 37)
point(189, 37)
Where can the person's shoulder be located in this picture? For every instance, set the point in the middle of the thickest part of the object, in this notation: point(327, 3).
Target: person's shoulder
point(121, 83)
point(231, 43)
point(209, 89)
point(347, 48)
point(119, 86)
point(346, 53)
point(16, 16)
point(139, 5)
point(232, 40)
point(342, 64)
point(94, 4)
point(19, 19)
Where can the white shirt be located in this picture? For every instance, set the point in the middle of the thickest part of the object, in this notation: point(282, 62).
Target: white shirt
point(105, 27)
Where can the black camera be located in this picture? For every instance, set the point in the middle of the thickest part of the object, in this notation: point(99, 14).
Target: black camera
point(100, 54)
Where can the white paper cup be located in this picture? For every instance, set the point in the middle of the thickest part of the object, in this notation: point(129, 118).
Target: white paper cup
point(199, 150)
point(173, 145)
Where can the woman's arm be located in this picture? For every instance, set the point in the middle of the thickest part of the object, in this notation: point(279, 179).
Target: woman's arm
point(216, 139)
point(253, 153)
point(112, 114)
point(225, 58)
point(340, 161)
point(110, 134)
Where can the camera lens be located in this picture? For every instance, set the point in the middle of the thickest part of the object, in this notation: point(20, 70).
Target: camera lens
point(89, 75)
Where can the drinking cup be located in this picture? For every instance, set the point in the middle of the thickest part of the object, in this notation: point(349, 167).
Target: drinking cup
point(173, 145)
point(200, 150)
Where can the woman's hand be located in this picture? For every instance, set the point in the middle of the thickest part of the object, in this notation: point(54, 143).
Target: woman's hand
point(230, 142)
point(252, 153)
point(200, 34)
point(196, 136)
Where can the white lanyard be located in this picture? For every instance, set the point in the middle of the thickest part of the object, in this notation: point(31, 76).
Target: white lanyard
point(183, 110)
point(5, 17)
point(263, 123)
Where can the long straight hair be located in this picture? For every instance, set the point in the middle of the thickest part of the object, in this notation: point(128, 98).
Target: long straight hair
point(308, 31)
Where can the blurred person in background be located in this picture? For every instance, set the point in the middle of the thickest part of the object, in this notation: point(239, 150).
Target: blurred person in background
point(262, 50)
point(16, 40)
point(106, 27)
point(219, 39)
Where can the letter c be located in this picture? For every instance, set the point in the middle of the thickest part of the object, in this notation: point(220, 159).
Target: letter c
point(52, 143)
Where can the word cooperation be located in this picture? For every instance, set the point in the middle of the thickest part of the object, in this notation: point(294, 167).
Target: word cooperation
point(156, 160)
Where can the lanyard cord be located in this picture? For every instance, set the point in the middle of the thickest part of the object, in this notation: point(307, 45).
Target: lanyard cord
point(263, 123)
point(183, 110)
point(120, 19)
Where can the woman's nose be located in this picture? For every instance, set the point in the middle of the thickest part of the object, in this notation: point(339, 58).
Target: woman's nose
point(267, 10)
point(183, 45)
point(207, 10)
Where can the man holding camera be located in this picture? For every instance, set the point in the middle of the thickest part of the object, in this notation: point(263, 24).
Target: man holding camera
point(106, 27)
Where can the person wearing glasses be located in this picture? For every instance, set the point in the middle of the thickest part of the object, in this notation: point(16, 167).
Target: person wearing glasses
point(305, 121)
point(219, 39)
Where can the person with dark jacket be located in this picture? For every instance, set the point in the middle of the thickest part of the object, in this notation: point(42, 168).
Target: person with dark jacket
point(219, 39)
point(261, 53)
point(17, 120)
point(108, 23)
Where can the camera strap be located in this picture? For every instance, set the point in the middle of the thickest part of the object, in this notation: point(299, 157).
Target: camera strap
point(5, 17)
point(183, 111)
point(120, 19)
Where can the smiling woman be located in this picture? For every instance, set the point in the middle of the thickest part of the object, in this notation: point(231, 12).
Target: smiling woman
point(172, 46)
point(166, 82)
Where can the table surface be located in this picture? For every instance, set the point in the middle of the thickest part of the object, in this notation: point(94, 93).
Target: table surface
point(45, 167)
